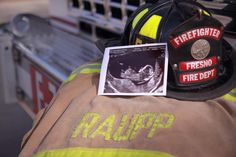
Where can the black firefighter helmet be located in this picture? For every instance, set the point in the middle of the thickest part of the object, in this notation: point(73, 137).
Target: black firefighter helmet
point(201, 63)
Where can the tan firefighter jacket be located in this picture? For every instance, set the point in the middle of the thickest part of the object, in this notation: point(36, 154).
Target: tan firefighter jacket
point(79, 123)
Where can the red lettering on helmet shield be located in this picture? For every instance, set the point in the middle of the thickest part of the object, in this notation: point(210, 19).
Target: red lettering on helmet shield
point(185, 37)
point(197, 77)
point(194, 65)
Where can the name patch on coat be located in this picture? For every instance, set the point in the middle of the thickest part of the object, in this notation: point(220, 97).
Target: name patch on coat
point(122, 128)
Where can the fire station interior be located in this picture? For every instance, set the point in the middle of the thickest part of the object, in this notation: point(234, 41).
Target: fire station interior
point(30, 80)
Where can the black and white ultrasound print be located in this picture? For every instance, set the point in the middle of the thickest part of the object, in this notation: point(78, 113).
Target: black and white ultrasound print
point(134, 70)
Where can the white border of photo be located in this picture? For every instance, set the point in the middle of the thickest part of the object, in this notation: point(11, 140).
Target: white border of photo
point(104, 69)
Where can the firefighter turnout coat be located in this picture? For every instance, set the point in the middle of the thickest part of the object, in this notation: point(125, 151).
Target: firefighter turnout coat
point(79, 123)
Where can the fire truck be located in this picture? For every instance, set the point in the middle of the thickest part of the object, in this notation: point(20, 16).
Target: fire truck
point(38, 54)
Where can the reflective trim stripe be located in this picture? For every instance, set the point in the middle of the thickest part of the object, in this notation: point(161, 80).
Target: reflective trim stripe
point(100, 152)
point(233, 91)
point(138, 17)
point(231, 96)
point(77, 70)
point(150, 28)
point(89, 71)
point(70, 78)
point(84, 69)
point(206, 13)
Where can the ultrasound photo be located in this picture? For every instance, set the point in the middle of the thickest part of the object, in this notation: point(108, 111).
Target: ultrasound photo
point(134, 70)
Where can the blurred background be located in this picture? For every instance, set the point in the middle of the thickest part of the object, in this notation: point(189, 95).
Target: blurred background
point(38, 52)
point(10, 8)
point(15, 122)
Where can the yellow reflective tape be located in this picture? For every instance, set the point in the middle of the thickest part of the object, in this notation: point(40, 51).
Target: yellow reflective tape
point(229, 97)
point(87, 122)
point(234, 90)
point(70, 78)
point(206, 13)
point(145, 121)
point(89, 71)
point(101, 152)
point(118, 136)
point(105, 128)
point(138, 41)
point(83, 69)
point(163, 120)
point(85, 66)
point(150, 28)
point(138, 17)
point(127, 129)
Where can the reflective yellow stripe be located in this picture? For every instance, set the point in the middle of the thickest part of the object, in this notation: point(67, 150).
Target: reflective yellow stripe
point(86, 65)
point(101, 152)
point(138, 41)
point(229, 97)
point(234, 90)
point(70, 78)
point(150, 28)
point(138, 17)
point(89, 71)
point(83, 69)
point(206, 13)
